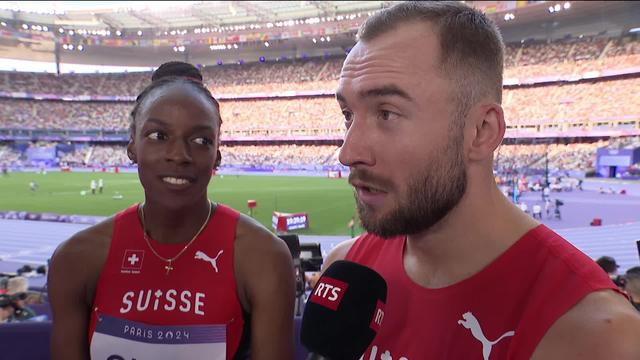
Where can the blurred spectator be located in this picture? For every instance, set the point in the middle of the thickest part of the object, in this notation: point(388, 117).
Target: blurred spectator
point(609, 265)
point(6, 309)
point(632, 285)
point(13, 305)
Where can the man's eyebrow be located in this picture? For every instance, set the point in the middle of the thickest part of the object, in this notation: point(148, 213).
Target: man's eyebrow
point(386, 90)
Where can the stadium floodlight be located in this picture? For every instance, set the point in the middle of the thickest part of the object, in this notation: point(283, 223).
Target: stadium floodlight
point(567, 5)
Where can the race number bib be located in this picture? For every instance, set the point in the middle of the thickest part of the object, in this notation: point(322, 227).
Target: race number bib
point(120, 339)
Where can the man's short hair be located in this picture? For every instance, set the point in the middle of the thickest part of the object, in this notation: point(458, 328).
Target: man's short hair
point(471, 47)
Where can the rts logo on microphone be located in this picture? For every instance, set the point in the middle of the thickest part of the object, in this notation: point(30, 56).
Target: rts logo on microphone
point(329, 292)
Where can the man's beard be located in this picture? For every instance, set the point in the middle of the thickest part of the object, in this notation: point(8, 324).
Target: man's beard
point(430, 195)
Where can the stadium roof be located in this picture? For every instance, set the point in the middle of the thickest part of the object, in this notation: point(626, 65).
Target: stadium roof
point(144, 34)
point(172, 14)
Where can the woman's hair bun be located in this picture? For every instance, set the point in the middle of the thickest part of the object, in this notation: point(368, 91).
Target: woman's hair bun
point(177, 68)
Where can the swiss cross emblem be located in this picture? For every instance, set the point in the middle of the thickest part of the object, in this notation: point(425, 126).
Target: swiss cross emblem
point(132, 260)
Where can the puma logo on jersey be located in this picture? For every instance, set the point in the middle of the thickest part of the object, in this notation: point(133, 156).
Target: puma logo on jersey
point(470, 322)
point(213, 261)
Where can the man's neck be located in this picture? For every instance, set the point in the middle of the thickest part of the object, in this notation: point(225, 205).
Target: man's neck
point(482, 227)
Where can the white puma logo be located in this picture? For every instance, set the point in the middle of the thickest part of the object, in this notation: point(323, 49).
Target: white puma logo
point(202, 256)
point(470, 322)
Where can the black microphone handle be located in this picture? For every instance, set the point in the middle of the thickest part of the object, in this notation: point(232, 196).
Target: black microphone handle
point(314, 356)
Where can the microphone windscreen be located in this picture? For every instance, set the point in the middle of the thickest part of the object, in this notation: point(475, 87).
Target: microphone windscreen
point(344, 312)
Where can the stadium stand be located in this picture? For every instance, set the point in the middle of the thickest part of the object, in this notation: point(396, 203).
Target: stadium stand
point(569, 103)
point(528, 60)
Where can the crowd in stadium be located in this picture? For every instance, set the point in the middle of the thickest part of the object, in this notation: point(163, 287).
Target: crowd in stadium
point(279, 156)
point(571, 57)
point(508, 158)
point(578, 156)
point(555, 104)
point(563, 57)
point(567, 103)
point(29, 114)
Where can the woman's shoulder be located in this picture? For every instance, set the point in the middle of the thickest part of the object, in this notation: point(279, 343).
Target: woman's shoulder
point(251, 233)
point(89, 246)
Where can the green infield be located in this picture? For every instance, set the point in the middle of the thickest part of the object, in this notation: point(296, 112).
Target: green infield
point(329, 202)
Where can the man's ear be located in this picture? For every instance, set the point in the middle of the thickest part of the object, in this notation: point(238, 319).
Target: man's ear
point(488, 130)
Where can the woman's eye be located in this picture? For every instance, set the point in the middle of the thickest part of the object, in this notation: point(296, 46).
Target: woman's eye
point(202, 141)
point(156, 135)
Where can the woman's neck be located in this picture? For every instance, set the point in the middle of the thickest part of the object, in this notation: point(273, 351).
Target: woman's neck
point(174, 225)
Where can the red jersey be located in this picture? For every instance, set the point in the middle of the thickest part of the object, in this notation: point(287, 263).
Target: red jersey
point(502, 312)
point(143, 311)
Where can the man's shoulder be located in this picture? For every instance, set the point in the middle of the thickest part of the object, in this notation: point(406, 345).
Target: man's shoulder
point(603, 325)
point(339, 252)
